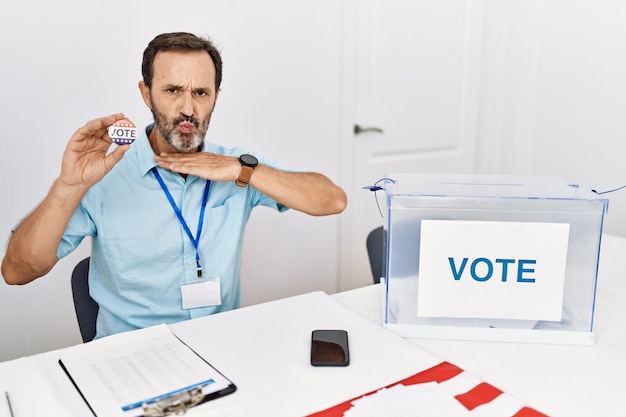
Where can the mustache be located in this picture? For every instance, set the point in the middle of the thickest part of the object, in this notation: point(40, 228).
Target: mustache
point(187, 119)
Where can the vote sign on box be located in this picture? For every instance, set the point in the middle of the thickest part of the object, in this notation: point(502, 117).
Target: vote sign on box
point(492, 269)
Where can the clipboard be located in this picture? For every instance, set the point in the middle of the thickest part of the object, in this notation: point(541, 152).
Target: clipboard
point(145, 373)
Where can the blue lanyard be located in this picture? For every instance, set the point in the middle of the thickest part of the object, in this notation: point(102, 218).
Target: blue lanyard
point(205, 198)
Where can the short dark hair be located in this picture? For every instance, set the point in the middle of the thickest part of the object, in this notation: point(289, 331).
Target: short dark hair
point(179, 42)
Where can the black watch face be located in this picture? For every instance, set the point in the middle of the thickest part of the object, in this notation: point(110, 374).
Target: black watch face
point(248, 160)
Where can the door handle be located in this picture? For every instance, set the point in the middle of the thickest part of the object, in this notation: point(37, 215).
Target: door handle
point(358, 129)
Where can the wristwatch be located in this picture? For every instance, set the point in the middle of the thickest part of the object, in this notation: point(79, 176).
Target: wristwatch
point(248, 163)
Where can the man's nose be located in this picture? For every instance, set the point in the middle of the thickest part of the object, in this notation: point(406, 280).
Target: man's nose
point(187, 104)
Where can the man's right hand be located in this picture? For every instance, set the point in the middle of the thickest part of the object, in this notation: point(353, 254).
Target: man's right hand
point(85, 160)
point(32, 248)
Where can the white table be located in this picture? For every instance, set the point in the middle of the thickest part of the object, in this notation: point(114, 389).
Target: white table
point(560, 380)
point(264, 350)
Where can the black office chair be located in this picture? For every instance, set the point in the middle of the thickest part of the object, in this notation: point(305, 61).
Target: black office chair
point(376, 244)
point(86, 308)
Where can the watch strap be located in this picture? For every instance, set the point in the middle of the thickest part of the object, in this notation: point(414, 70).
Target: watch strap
point(244, 176)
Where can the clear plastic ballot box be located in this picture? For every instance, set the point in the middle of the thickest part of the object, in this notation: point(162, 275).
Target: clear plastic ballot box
point(500, 258)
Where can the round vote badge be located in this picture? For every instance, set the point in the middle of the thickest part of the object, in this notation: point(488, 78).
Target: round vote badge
point(123, 132)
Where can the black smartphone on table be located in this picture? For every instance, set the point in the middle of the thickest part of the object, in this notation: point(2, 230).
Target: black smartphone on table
point(330, 348)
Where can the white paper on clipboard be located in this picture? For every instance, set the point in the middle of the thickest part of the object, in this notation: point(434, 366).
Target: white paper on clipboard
point(119, 374)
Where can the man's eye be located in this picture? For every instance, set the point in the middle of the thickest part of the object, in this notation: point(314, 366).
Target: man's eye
point(172, 90)
point(201, 93)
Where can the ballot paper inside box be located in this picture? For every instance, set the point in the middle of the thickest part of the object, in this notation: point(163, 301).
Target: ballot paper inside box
point(501, 258)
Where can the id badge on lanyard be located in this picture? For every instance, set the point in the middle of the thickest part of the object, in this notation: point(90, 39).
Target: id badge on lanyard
point(202, 294)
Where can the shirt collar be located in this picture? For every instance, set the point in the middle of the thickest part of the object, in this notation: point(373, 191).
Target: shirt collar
point(145, 154)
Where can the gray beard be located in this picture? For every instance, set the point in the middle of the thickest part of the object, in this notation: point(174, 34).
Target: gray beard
point(182, 142)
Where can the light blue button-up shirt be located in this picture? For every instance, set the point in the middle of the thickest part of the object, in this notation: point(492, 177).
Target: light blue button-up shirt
point(140, 252)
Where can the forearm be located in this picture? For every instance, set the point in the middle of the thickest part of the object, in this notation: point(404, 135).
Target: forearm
point(308, 192)
point(32, 248)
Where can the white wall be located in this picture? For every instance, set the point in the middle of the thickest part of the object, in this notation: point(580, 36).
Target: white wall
point(555, 94)
point(69, 61)
point(553, 101)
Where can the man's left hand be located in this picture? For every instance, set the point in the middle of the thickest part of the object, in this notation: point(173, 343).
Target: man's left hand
point(206, 165)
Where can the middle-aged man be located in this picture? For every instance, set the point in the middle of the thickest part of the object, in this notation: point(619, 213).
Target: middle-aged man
point(166, 214)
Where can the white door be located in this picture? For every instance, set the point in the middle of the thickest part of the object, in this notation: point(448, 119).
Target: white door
point(412, 84)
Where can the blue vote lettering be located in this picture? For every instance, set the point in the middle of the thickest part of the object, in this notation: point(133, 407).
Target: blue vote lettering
point(482, 269)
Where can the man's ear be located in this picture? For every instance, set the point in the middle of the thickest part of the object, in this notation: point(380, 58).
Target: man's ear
point(217, 94)
point(145, 94)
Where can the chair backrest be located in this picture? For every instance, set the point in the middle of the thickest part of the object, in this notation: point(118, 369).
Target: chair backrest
point(376, 244)
point(86, 308)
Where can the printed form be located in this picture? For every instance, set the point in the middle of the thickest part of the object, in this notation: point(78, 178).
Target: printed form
point(126, 374)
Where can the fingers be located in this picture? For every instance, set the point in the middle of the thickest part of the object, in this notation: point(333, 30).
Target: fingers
point(98, 127)
point(115, 156)
point(86, 159)
point(190, 161)
point(177, 163)
point(203, 164)
point(103, 122)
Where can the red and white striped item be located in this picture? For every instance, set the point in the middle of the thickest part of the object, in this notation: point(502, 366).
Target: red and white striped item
point(478, 397)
